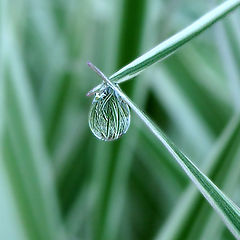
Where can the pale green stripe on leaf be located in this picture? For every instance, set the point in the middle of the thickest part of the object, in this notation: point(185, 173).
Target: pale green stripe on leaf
point(224, 151)
point(229, 212)
point(167, 47)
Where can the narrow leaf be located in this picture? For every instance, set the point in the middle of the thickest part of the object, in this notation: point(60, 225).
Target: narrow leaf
point(188, 206)
point(170, 45)
point(229, 211)
point(24, 154)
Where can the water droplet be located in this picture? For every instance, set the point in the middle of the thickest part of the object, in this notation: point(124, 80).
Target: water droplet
point(109, 116)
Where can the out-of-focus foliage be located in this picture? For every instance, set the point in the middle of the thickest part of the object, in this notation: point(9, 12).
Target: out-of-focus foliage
point(57, 181)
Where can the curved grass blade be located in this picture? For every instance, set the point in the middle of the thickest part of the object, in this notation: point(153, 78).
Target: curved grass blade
point(170, 45)
point(228, 210)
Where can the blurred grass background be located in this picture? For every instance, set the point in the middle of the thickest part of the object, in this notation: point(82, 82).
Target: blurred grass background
point(57, 181)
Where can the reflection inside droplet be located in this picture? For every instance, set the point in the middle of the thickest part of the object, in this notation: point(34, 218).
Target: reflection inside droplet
point(109, 116)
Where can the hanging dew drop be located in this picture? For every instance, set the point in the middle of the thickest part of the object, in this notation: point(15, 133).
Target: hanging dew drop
point(109, 116)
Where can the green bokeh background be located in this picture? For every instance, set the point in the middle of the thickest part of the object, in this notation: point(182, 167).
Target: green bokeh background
point(57, 181)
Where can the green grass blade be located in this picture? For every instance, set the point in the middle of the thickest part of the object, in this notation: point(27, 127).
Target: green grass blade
point(229, 212)
point(188, 206)
point(11, 227)
point(230, 182)
point(230, 64)
point(111, 199)
point(25, 157)
point(160, 160)
point(181, 108)
point(170, 45)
